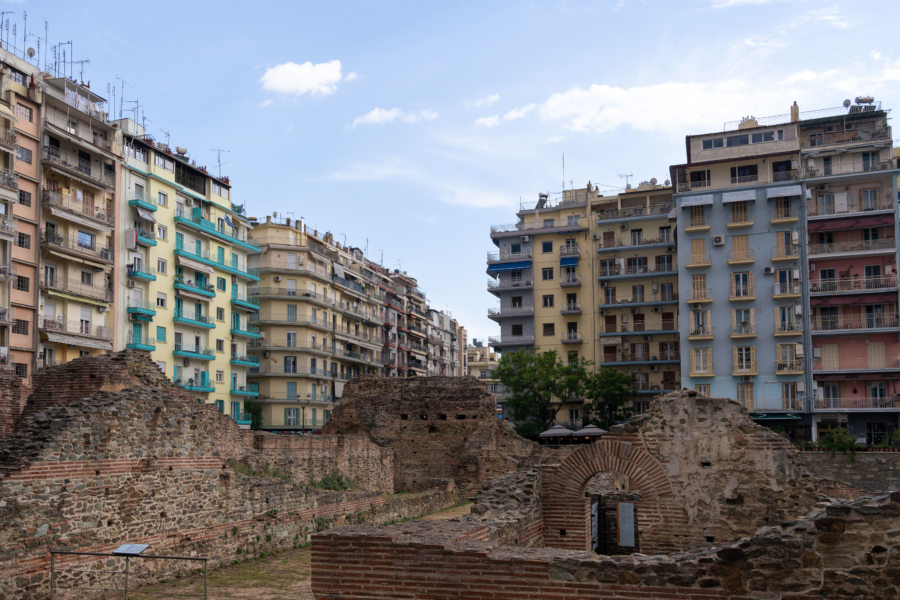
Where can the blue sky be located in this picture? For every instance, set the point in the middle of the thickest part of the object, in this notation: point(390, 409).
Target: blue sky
point(411, 127)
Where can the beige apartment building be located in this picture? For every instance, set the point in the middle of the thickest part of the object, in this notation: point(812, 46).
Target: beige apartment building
point(481, 363)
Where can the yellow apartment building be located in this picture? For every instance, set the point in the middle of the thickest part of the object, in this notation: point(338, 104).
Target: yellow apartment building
point(320, 316)
point(185, 255)
point(637, 279)
point(80, 160)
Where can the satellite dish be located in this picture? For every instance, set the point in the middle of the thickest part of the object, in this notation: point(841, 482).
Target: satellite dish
point(667, 183)
point(653, 181)
point(30, 52)
point(847, 103)
point(275, 214)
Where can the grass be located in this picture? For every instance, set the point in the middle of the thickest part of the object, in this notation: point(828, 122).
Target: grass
point(267, 471)
point(334, 482)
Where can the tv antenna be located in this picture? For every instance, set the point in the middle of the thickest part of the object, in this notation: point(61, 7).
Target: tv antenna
point(4, 22)
point(165, 133)
point(219, 152)
point(81, 68)
point(626, 177)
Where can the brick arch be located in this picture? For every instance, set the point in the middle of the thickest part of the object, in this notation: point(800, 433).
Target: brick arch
point(565, 507)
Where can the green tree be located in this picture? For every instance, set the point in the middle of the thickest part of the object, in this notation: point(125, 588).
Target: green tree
point(608, 395)
point(534, 383)
point(255, 410)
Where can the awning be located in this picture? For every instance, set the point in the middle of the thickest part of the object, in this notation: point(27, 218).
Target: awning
point(64, 214)
point(700, 200)
point(854, 299)
point(338, 269)
point(569, 261)
point(845, 376)
point(74, 340)
point(140, 317)
point(67, 296)
point(839, 224)
point(773, 417)
point(673, 214)
point(6, 112)
point(91, 263)
point(738, 196)
point(195, 265)
point(338, 389)
point(145, 214)
point(516, 266)
point(787, 190)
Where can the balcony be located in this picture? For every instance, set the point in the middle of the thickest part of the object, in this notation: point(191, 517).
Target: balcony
point(666, 328)
point(363, 290)
point(83, 328)
point(544, 226)
point(241, 360)
point(350, 355)
point(7, 315)
point(200, 321)
point(60, 284)
point(570, 281)
point(511, 340)
point(741, 331)
point(83, 248)
point(7, 226)
point(627, 243)
point(698, 297)
point(853, 248)
point(195, 352)
point(140, 271)
point(822, 325)
point(849, 168)
point(628, 271)
point(654, 389)
point(506, 255)
point(7, 272)
point(249, 332)
point(856, 285)
point(569, 250)
point(144, 237)
point(793, 366)
point(495, 314)
point(236, 267)
point(243, 301)
point(198, 223)
point(249, 390)
point(625, 357)
point(854, 207)
point(635, 212)
point(739, 221)
point(789, 175)
point(655, 299)
point(741, 293)
point(141, 307)
point(201, 385)
point(704, 370)
point(786, 290)
point(781, 215)
point(140, 202)
point(788, 329)
point(744, 369)
point(140, 342)
point(698, 261)
point(701, 333)
point(572, 337)
point(780, 253)
point(243, 420)
point(855, 365)
point(8, 139)
point(857, 403)
point(283, 318)
point(495, 286)
point(8, 179)
point(200, 287)
point(71, 165)
point(285, 292)
point(697, 224)
point(573, 308)
point(846, 137)
point(741, 257)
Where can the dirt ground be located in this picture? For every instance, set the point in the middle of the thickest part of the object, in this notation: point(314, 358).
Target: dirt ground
point(284, 575)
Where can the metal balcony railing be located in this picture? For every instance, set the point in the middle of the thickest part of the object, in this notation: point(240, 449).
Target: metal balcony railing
point(855, 284)
point(78, 246)
point(848, 168)
point(786, 252)
point(851, 403)
point(76, 287)
point(817, 208)
point(634, 211)
point(856, 364)
point(785, 289)
point(85, 328)
point(793, 364)
point(703, 331)
point(853, 246)
point(523, 254)
point(853, 323)
point(71, 162)
point(845, 137)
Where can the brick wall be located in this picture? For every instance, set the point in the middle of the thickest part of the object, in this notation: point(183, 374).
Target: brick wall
point(869, 471)
point(13, 393)
point(844, 551)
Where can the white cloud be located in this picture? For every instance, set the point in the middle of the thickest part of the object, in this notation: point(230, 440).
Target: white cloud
point(388, 115)
point(875, 54)
point(391, 168)
point(518, 113)
point(307, 78)
point(830, 16)
point(733, 3)
point(350, 76)
point(266, 103)
point(481, 102)
point(487, 121)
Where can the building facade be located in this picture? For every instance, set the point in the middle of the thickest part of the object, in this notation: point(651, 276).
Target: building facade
point(481, 363)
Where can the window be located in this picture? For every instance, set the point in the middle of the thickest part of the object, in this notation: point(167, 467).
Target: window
point(220, 313)
point(546, 247)
point(160, 300)
point(515, 248)
point(741, 285)
point(23, 154)
point(637, 237)
point(220, 284)
point(637, 293)
point(161, 334)
point(23, 240)
point(737, 140)
point(547, 300)
point(869, 199)
point(783, 208)
point(161, 266)
point(20, 326)
point(137, 152)
point(698, 287)
point(220, 376)
point(162, 199)
point(21, 369)
point(517, 329)
point(702, 389)
point(699, 178)
point(745, 395)
point(739, 213)
point(549, 329)
point(740, 247)
point(24, 198)
point(290, 364)
point(220, 345)
point(744, 173)
point(698, 216)
point(87, 278)
point(701, 360)
point(85, 239)
point(291, 339)
point(26, 113)
point(162, 232)
point(166, 163)
point(789, 398)
point(665, 234)
point(744, 359)
point(762, 136)
point(742, 321)
point(139, 191)
point(21, 283)
point(698, 251)
point(573, 220)
point(291, 417)
point(713, 143)
point(547, 273)
point(220, 190)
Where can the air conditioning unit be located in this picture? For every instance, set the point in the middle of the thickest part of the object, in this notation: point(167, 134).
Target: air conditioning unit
point(796, 274)
point(768, 271)
point(798, 350)
point(647, 338)
point(654, 368)
point(801, 386)
point(634, 311)
point(624, 318)
point(276, 278)
point(718, 240)
point(655, 309)
point(102, 309)
point(812, 268)
point(523, 238)
point(604, 283)
point(130, 283)
point(623, 226)
point(654, 287)
point(748, 379)
point(596, 236)
point(822, 186)
point(186, 362)
point(602, 311)
point(817, 352)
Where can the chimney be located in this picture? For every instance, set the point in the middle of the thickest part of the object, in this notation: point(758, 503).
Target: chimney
point(268, 218)
point(795, 112)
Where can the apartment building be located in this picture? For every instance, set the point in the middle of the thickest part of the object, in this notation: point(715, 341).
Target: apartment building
point(321, 318)
point(185, 269)
point(481, 362)
point(443, 349)
point(412, 336)
point(850, 182)
point(637, 273)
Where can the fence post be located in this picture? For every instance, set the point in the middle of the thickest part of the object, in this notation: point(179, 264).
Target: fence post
point(126, 578)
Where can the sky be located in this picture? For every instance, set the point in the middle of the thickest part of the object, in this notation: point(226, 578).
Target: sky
point(407, 129)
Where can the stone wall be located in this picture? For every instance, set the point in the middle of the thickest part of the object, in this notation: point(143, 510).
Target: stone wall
point(843, 551)
point(443, 427)
point(13, 394)
point(869, 471)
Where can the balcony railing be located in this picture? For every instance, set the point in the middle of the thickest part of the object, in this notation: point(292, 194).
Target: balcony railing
point(641, 356)
point(547, 224)
point(511, 340)
point(699, 296)
point(572, 337)
point(793, 364)
point(79, 166)
point(866, 403)
point(634, 211)
point(524, 254)
point(856, 364)
point(291, 293)
point(698, 260)
point(9, 179)
point(55, 198)
point(194, 319)
point(856, 284)
point(741, 256)
point(199, 351)
point(783, 212)
point(789, 175)
point(509, 284)
point(788, 327)
point(77, 246)
point(743, 330)
point(569, 250)
point(141, 306)
point(141, 342)
point(626, 241)
point(85, 328)
point(197, 287)
point(7, 315)
point(839, 323)
point(245, 359)
point(786, 289)
point(845, 137)
point(76, 287)
point(572, 308)
point(853, 246)
point(634, 270)
point(570, 281)
point(849, 168)
point(786, 252)
point(824, 209)
point(298, 318)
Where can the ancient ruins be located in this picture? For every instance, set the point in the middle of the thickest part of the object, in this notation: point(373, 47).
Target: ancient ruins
point(108, 451)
